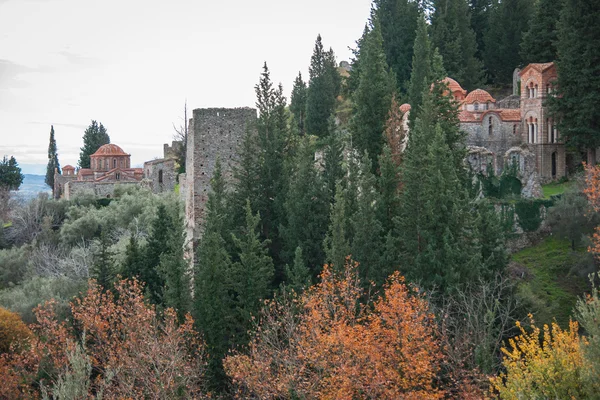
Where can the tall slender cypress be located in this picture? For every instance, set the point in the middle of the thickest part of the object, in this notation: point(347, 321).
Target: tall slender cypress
point(53, 164)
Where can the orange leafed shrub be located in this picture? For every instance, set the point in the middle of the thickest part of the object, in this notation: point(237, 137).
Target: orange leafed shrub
point(328, 345)
point(592, 191)
point(12, 330)
point(133, 352)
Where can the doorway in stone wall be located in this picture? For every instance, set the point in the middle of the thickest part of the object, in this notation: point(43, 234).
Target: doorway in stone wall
point(554, 165)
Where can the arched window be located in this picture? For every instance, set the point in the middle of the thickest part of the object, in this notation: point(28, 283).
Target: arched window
point(490, 126)
point(476, 106)
point(535, 91)
point(114, 163)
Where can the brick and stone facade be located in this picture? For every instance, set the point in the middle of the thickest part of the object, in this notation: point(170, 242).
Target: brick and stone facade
point(213, 133)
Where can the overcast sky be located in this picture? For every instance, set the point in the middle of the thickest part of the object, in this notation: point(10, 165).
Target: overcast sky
point(131, 64)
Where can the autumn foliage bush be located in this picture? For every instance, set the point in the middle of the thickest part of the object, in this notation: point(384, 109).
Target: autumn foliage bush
point(328, 344)
point(12, 330)
point(133, 352)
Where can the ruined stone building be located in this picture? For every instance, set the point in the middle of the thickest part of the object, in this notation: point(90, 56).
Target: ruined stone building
point(517, 129)
point(213, 133)
point(110, 166)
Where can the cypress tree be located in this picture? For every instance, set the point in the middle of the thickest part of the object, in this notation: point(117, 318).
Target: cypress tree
point(509, 19)
point(539, 42)
point(420, 77)
point(366, 243)
point(247, 178)
point(436, 225)
point(398, 21)
point(134, 259)
point(102, 268)
point(323, 89)
point(354, 78)
point(157, 244)
point(298, 104)
point(53, 163)
point(387, 183)
point(452, 34)
point(373, 97)
point(480, 20)
point(336, 243)
point(577, 101)
point(298, 276)
point(333, 156)
point(93, 138)
point(173, 268)
point(306, 197)
point(251, 276)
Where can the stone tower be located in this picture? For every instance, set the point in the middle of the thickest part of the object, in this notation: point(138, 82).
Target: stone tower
point(213, 132)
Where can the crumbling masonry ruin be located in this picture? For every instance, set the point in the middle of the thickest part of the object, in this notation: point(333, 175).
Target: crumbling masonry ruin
point(213, 133)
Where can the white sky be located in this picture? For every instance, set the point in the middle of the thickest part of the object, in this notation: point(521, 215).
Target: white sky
point(131, 64)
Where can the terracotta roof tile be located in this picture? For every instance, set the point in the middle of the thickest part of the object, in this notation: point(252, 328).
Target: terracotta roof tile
point(467, 116)
point(453, 85)
point(109, 150)
point(479, 96)
point(510, 114)
point(404, 108)
point(68, 167)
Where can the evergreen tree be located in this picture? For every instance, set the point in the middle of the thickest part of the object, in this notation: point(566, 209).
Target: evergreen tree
point(480, 21)
point(53, 164)
point(216, 205)
point(306, 207)
point(420, 77)
point(373, 97)
point(298, 104)
point(323, 88)
point(539, 42)
point(173, 268)
point(252, 275)
point(158, 243)
point(452, 34)
point(333, 156)
point(354, 78)
point(103, 268)
point(134, 259)
point(213, 306)
point(298, 276)
point(398, 21)
point(11, 177)
point(491, 238)
point(438, 236)
point(336, 243)
point(247, 178)
point(577, 102)
point(93, 138)
point(509, 19)
point(366, 243)
point(387, 183)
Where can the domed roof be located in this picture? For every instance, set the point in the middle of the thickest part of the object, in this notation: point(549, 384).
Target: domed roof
point(479, 96)
point(68, 167)
point(453, 85)
point(110, 150)
point(404, 108)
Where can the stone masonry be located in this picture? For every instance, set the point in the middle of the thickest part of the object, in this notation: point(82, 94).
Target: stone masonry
point(213, 133)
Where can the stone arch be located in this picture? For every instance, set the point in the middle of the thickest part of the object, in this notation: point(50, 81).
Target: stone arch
point(526, 170)
point(480, 159)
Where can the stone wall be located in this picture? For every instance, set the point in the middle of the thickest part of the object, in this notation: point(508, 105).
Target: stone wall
point(161, 174)
point(59, 184)
point(100, 189)
point(213, 132)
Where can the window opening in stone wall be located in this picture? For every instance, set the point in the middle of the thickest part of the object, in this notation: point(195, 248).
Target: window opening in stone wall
point(118, 176)
point(114, 163)
point(514, 129)
point(476, 106)
point(554, 165)
point(160, 176)
point(490, 126)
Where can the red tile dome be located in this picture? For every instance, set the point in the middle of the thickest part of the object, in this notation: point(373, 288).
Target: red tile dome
point(110, 150)
point(68, 167)
point(404, 108)
point(453, 85)
point(479, 96)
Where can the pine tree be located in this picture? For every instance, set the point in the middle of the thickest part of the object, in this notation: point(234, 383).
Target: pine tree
point(452, 34)
point(373, 97)
point(336, 243)
point(173, 268)
point(53, 164)
point(366, 243)
point(252, 275)
point(354, 79)
point(577, 101)
point(323, 89)
point(539, 42)
point(420, 78)
point(246, 173)
point(509, 19)
point(306, 207)
point(93, 138)
point(491, 239)
point(216, 205)
point(398, 21)
point(103, 267)
point(298, 104)
point(11, 177)
point(298, 276)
